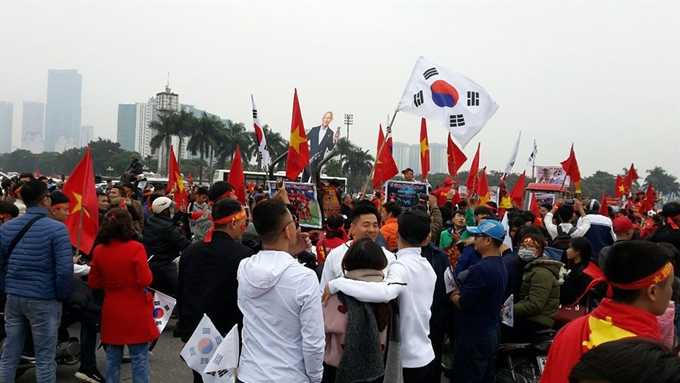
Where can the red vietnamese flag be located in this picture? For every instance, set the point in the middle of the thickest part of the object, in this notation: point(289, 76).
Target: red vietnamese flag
point(454, 156)
point(570, 165)
point(620, 187)
point(517, 193)
point(385, 167)
point(191, 178)
point(424, 150)
point(175, 180)
point(236, 177)
point(80, 189)
point(377, 172)
point(604, 208)
point(37, 173)
point(483, 188)
point(647, 204)
point(298, 150)
point(471, 182)
point(533, 207)
point(631, 176)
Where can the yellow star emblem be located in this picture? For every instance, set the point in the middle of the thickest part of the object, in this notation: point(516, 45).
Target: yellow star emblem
point(296, 139)
point(622, 188)
point(424, 147)
point(657, 279)
point(180, 182)
point(79, 204)
point(602, 331)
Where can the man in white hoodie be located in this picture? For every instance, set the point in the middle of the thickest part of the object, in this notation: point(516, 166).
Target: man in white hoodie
point(411, 280)
point(283, 331)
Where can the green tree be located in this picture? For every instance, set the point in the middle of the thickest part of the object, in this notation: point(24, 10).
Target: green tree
point(662, 181)
point(20, 161)
point(181, 124)
point(357, 165)
point(234, 134)
point(208, 131)
point(594, 185)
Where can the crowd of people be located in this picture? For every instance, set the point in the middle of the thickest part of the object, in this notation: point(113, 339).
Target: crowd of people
point(370, 298)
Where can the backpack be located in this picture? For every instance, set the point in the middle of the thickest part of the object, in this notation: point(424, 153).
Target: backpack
point(563, 238)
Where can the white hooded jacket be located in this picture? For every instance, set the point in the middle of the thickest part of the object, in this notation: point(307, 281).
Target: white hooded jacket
point(283, 330)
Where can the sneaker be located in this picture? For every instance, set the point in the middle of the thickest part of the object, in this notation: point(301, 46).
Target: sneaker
point(91, 375)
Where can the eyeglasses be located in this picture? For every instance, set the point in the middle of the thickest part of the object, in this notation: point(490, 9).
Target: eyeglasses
point(297, 225)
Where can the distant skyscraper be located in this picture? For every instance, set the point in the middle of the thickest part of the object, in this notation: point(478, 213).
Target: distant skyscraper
point(62, 117)
point(6, 115)
point(32, 124)
point(438, 160)
point(86, 134)
point(134, 133)
point(127, 117)
point(408, 156)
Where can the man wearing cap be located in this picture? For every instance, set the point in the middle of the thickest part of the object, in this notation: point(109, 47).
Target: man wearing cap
point(7, 211)
point(133, 170)
point(478, 301)
point(408, 174)
point(600, 234)
point(641, 287)
point(442, 194)
point(207, 273)
point(670, 231)
point(623, 229)
point(411, 280)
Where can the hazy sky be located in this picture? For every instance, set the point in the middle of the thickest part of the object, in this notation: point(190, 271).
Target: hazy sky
point(605, 75)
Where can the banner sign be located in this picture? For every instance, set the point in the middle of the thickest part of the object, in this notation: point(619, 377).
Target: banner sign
point(331, 201)
point(542, 198)
point(551, 175)
point(303, 198)
point(405, 194)
point(493, 194)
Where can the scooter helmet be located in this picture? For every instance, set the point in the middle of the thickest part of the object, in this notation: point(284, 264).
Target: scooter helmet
point(160, 204)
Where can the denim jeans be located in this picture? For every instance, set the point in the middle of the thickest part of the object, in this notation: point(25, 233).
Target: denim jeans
point(474, 356)
point(43, 317)
point(139, 358)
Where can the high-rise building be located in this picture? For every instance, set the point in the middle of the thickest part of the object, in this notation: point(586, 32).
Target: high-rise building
point(32, 126)
point(408, 156)
point(438, 159)
point(127, 117)
point(86, 134)
point(6, 115)
point(62, 115)
point(134, 133)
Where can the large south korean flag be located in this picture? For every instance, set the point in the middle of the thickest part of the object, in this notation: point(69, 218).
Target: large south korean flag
point(453, 100)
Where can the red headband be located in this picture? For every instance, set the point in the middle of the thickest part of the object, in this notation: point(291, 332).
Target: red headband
point(59, 205)
point(223, 221)
point(671, 222)
point(5, 215)
point(341, 230)
point(653, 279)
point(225, 195)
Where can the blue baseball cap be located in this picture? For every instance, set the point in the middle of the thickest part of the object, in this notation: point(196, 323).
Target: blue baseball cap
point(493, 229)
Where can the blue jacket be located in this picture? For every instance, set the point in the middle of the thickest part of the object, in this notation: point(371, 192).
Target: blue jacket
point(41, 265)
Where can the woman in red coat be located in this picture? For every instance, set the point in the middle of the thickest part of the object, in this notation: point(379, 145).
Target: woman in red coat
point(119, 266)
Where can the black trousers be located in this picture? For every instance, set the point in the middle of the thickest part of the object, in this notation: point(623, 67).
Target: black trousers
point(416, 375)
point(164, 277)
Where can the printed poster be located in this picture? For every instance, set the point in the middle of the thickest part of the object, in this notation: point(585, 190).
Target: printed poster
point(551, 175)
point(405, 194)
point(331, 202)
point(304, 199)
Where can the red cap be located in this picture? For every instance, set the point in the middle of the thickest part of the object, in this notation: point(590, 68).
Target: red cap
point(622, 225)
point(448, 181)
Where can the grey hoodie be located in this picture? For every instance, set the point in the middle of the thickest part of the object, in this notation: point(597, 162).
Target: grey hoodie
point(283, 332)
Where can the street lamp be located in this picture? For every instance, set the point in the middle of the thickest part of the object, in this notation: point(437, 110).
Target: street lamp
point(166, 103)
point(109, 169)
point(349, 120)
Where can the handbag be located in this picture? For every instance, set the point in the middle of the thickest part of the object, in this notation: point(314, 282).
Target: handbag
point(567, 313)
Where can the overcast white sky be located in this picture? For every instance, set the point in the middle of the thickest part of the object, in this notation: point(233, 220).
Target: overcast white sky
point(605, 75)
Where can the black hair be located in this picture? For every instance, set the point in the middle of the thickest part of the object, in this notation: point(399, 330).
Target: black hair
point(483, 210)
point(459, 211)
point(517, 222)
point(363, 209)
point(671, 209)
point(120, 189)
point(565, 212)
point(528, 216)
point(155, 195)
point(625, 360)
point(9, 208)
point(525, 230)
point(33, 191)
point(583, 246)
point(367, 254)
point(446, 213)
point(676, 256)
point(420, 207)
point(547, 205)
point(268, 218)
point(334, 222)
point(30, 176)
point(538, 238)
point(414, 226)
point(392, 208)
point(225, 208)
point(202, 191)
point(629, 261)
point(497, 243)
point(218, 189)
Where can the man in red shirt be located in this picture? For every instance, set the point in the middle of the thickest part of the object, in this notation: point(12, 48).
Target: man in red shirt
point(641, 289)
point(443, 191)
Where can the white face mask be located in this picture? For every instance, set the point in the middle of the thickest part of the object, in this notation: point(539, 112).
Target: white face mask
point(526, 255)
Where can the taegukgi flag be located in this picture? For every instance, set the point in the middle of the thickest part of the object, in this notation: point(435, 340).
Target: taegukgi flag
point(259, 135)
point(222, 366)
point(202, 345)
point(162, 309)
point(453, 100)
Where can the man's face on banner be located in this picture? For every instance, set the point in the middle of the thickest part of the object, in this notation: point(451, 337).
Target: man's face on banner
point(326, 120)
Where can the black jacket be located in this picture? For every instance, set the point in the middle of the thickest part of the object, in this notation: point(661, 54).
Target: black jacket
point(135, 167)
point(162, 238)
point(207, 283)
point(441, 308)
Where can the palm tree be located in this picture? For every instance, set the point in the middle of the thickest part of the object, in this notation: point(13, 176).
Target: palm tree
point(186, 125)
point(662, 181)
point(208, 131)
point(277, 145)
point(234, 134)
point(180, 124)
point(358, 164)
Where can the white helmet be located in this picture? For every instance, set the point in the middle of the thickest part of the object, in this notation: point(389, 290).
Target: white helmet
point(160, 204)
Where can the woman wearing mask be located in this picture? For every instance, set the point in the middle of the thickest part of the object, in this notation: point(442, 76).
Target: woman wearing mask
point(540, 291)
point(358, 328)
point(119, 267)
point(576, 282)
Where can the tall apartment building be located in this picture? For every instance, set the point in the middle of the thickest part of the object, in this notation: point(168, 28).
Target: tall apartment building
point(86, 134)
point(6, 115)
point(408, 156)
point(32, 126)
point(134, 133)
point(62, 115)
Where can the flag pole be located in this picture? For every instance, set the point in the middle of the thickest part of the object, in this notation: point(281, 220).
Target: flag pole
point(377, 156)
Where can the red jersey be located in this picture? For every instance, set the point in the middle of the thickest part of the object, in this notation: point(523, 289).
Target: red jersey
point(441, 196)
point(609, 322)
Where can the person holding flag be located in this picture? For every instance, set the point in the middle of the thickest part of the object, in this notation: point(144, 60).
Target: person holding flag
point(207, 273)
point(119, 267)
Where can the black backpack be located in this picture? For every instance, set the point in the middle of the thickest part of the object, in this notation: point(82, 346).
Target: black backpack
point(563, 238)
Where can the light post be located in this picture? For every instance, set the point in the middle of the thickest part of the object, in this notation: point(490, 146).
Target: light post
point(166, 103)
point(110, 170)
point(349, 120)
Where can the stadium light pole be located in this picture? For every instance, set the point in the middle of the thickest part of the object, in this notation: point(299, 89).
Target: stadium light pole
point(349, 120)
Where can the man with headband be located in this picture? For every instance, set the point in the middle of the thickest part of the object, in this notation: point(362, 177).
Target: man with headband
point(670, 231)
point(218, 191)
point(207, 273)
point(640, 276)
